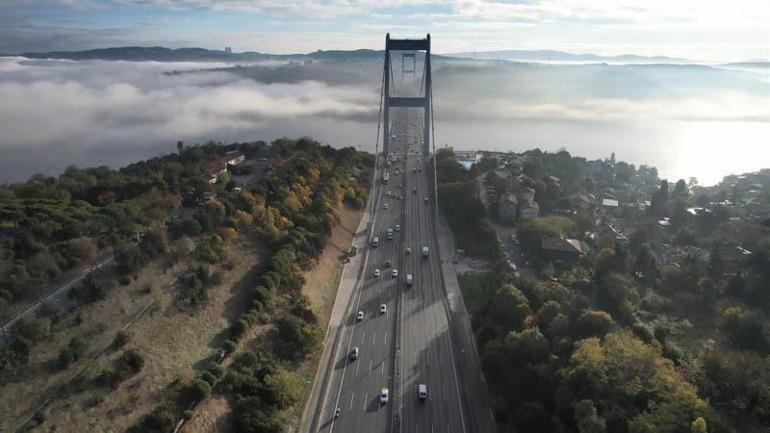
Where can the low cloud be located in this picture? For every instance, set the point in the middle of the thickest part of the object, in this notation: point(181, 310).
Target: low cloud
point(57, 112)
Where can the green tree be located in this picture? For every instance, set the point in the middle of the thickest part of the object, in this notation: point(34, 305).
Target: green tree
point(588, 420)
point(618, 294)
point(594, 324)
point(699, 426)
point(507, 308)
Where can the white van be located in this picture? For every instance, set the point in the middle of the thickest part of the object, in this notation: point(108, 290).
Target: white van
point(422, 391)
point(409, 280)
point(376, 241)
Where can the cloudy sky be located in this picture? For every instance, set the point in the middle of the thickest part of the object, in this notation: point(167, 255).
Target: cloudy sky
point(710, 30)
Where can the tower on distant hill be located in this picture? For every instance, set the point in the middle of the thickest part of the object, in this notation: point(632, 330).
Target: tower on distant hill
point(228, 50)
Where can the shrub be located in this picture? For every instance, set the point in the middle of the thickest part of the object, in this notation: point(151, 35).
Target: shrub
point(160, 420)
point(199, 389)
point(121, 339)
point(642, 332)
point(216, 370)
point(50, 310)
point(65, 358)
point(229, 346)
point(673, 352)
point(72, 352)
point(262, 294)
point(131, 361)
point(239, 328)
point(33, 329)
point(208, 378)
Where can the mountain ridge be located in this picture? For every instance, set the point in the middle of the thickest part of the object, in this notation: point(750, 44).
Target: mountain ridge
point(159, 53)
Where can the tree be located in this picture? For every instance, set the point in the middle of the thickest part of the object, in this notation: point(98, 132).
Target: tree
point(507, 308)
point(594, 324)
point(659, 200)
point(617, 294)
point(617, 371)
point(699, 426)
point(613, 260)
point(745, 329)
point(251, 416)
point(680, 189)
point(588, 420)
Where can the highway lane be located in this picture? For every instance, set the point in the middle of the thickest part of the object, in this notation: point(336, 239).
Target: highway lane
point(355, 384)
point(427, 354)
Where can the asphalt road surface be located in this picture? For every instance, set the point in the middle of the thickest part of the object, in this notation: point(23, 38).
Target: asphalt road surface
point(425, 353)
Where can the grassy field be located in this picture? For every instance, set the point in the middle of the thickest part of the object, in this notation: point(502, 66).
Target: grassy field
point(174, 341)
point(321, 287)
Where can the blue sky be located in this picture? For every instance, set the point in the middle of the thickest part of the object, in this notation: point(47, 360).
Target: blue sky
point(696, 29)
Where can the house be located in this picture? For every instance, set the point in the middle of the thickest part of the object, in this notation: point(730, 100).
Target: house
point(560, 250)
point(527, 195)
point(508, 209)
point(608, 202)
point(220, 165)
point(529, 209)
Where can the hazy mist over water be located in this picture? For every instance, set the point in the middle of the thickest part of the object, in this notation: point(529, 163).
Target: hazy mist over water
point(696, 121)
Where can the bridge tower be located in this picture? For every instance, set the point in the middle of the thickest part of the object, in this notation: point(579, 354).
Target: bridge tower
point(421, 101)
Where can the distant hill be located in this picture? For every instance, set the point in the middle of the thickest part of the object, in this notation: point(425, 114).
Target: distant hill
point(162, 54)
point(759, 64)
point(563, 56)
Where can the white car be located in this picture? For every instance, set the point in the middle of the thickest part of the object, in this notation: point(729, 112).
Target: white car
point(354, 354)
point(360, 316)
point(384, 395)
point(385, 206)
point(409, 251)
point(383, 308)
point(425, 199)
point(376, 273)
point(422, 391)
point(397, 227)
point(394, 273)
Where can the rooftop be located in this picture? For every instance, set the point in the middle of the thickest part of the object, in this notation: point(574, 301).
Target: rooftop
point(561, 244)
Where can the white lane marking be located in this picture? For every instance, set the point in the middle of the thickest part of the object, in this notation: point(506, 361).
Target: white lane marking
point(359, 293)
point(363, 334)
point(374, 338)
point(370, 365)
point(382, 367)
point(358, 365)
point(366, 397)
point(351, 400)
point(385, 340)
